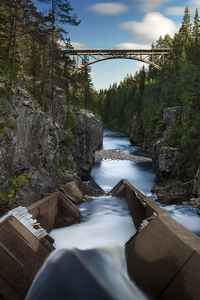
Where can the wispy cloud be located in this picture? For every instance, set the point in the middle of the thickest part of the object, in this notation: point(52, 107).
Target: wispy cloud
point(150, 5)
point(151, 28)
point(78, 45)
point(175, 11)
point(92, 74)
point(109, 8)
point(195, 3)
point(132, 46)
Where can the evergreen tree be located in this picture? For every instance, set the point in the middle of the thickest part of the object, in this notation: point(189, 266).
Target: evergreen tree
point(186, 27)
point(196, 28)
point(60, 16)
point(86, 82)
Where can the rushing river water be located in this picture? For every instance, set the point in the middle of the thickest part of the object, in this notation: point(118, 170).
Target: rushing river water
point(107, 173)
point(96, 244)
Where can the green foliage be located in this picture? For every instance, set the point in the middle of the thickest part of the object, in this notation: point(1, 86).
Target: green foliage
point(175, 134)
point(70, 123)
point(149, 92)
point(8, 197)
point(4, 125)
point(67, 168)
point(30, 48)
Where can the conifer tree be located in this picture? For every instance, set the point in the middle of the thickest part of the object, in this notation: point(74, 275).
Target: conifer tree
point(86, 82)
point(60, 16)
point(196, 28)
point(186, 27)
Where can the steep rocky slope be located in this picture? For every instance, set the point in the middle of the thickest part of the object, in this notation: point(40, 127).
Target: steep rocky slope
point(166, 163)
point(37, 155)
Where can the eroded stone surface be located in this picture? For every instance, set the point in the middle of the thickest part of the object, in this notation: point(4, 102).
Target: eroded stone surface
point(32, 144)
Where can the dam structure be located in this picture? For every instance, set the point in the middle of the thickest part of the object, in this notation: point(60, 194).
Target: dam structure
point(163, 257)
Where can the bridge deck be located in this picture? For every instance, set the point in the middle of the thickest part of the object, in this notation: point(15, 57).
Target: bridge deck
point(118, 51)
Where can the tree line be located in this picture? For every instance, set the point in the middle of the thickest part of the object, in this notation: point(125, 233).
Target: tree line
point(144, 96)
point(33, 50)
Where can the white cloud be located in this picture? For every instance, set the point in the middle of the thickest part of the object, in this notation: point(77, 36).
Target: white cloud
point(132, 46)
point(150, 5)
point(78, 45)
point(109, 8)
point(175, 10)
point(195, 3)
point(92, 74)
point(151, 28)
point(140, 64)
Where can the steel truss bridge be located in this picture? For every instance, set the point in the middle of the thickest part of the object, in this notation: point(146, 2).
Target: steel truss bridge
point(151, 56)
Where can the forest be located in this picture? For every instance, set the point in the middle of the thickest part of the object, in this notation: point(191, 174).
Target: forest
point(33, 51)
point(145, 95)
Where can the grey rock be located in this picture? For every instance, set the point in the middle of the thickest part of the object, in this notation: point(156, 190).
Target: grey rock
point(169, 115)
point(173, 192)
point(88, 138)
point(196, 190)
point(165, 158)
point(35, 145)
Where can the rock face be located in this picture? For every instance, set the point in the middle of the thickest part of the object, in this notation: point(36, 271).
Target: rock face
point(43, 152)
point(165, 158)
point(88, 137)
point(166, 164)
point(196, 190)
point(166, 161)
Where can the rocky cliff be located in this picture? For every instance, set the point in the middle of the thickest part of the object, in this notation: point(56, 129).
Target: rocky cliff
point(37, 155)
point(166, 162)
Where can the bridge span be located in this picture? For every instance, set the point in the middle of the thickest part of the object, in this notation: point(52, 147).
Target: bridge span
point(153, 57)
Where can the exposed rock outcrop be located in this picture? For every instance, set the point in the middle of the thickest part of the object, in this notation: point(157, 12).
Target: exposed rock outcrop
point(166, 164)
point(196, 190)
point(37, 155)
point(88, 136)
point(165, 158)
point(166, 161)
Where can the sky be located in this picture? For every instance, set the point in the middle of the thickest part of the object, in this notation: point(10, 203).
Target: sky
point(127, 24)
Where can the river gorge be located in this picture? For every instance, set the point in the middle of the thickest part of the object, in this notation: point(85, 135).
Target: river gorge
point(106, 224)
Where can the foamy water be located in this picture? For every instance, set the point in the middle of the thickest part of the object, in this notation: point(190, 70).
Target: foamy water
point(105, 222)
point(92, 250)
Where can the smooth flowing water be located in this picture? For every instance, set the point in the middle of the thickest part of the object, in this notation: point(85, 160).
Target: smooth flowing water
point(109, 172)
point(94, 266)
point(89, 261)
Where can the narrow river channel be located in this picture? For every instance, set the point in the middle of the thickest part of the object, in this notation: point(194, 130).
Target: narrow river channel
point(105, 227)
point(108, 173)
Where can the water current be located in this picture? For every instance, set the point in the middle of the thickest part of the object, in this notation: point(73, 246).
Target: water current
point(97, 242)
point(108, 172)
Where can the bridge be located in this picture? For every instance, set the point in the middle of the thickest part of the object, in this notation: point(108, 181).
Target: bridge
point(152, 57)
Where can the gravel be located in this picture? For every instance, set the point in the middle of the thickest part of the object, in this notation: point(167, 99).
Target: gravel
point(118, 155)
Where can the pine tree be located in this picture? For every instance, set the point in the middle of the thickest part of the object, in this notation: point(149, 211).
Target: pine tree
point(186, 27)
point(86, 82)
point(60, 16)
point(196, 28)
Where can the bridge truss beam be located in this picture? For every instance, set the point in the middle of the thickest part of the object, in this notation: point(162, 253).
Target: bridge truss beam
point(151, 56)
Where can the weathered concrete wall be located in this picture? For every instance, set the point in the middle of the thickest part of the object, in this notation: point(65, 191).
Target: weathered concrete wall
point(163, 257)
point(59, 209)
point(22, 253)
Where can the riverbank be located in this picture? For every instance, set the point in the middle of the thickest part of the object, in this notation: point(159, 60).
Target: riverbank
point(118, 155)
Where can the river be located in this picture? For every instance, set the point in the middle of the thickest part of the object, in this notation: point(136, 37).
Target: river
point(109, 172)
point(105, 227)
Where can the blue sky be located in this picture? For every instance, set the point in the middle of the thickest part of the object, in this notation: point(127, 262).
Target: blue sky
point(124, 24)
